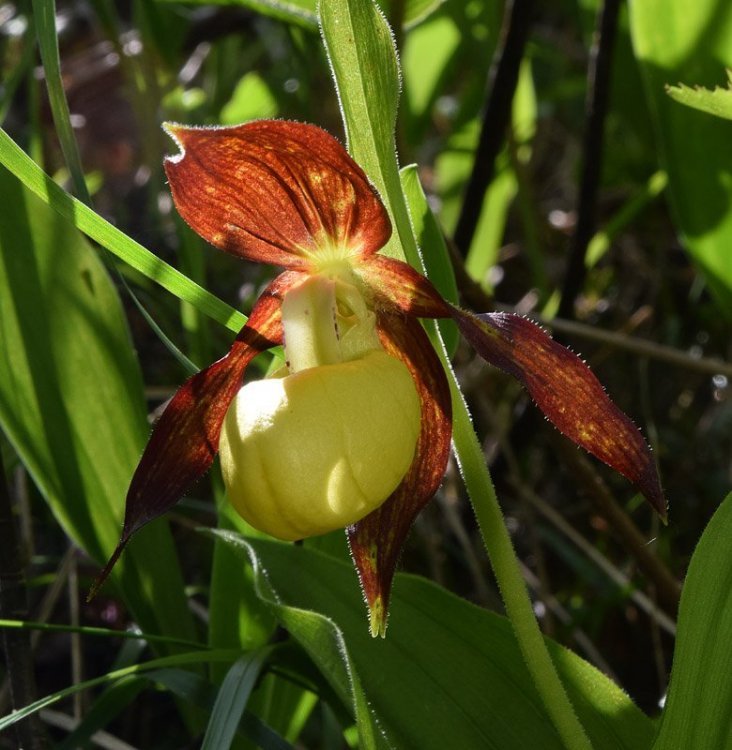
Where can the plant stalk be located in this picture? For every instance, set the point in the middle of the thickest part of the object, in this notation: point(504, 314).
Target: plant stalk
point(507, 571)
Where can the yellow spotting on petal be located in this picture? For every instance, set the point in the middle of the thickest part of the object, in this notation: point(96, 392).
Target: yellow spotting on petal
point(320, 449)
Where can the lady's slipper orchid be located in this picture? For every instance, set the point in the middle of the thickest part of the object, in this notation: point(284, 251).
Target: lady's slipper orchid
point(356, 432)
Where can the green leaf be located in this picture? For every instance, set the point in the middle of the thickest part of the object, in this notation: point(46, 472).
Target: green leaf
point(111, 238)
point(71, 398)
point(448, 674)
point(715, 102)
point(232, 699)
point(426, 61)
point(44, 12)
point(700, 694)
point(252, 99)
point(361, 51)
point(434, 250)
point(317, 634)
point(679, 41)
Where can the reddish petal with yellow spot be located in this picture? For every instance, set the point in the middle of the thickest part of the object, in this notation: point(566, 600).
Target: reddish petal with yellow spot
point(570, 396)
point(185, 439)
point(275, 192)
point(376, 541)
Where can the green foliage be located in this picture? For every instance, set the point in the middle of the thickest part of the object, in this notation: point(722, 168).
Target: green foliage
point(463, 675)
point(696, 712)
point(717, 102)
point(675, 41)
point(71, 397)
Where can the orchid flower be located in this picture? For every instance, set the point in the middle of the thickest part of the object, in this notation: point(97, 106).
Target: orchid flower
point(354, 432)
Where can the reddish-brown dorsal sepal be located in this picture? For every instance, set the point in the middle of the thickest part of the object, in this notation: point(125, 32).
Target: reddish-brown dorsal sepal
point(274, 191)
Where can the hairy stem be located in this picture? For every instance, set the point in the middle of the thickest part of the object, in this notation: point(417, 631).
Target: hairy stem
point(507, 571)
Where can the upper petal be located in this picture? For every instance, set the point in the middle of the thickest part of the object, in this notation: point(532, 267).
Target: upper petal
point(274, 191)
point(565, 389)
point(376, 541)
point(185, 439)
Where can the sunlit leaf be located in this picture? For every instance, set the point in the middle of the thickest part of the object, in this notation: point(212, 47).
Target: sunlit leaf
point(692, 42)
point(697, 708)
point(71, 398)
point(717, 101)
point(435, 254)
point(365, 67)
point(453, 665)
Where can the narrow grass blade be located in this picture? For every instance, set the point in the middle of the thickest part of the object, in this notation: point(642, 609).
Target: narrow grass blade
point(232, 700)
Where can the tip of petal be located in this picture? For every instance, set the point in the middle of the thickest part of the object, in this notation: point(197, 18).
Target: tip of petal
point(102, 577)
point(377, 618)
point(174, 130)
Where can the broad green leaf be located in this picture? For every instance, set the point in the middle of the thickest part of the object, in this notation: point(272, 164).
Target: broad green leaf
point(111, 238)
point(697, 712)
point(71, 398)
point(448, 674)
point(237, 618)
point(716, 102)
point(679, 41)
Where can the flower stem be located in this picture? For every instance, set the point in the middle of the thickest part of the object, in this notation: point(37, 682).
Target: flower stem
point(510, 581)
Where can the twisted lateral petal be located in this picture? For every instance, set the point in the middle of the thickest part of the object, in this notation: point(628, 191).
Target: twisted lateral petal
point(396, 284)
point(185, 439)
point(570, 396)
point(376, 541)
point(275, 192)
